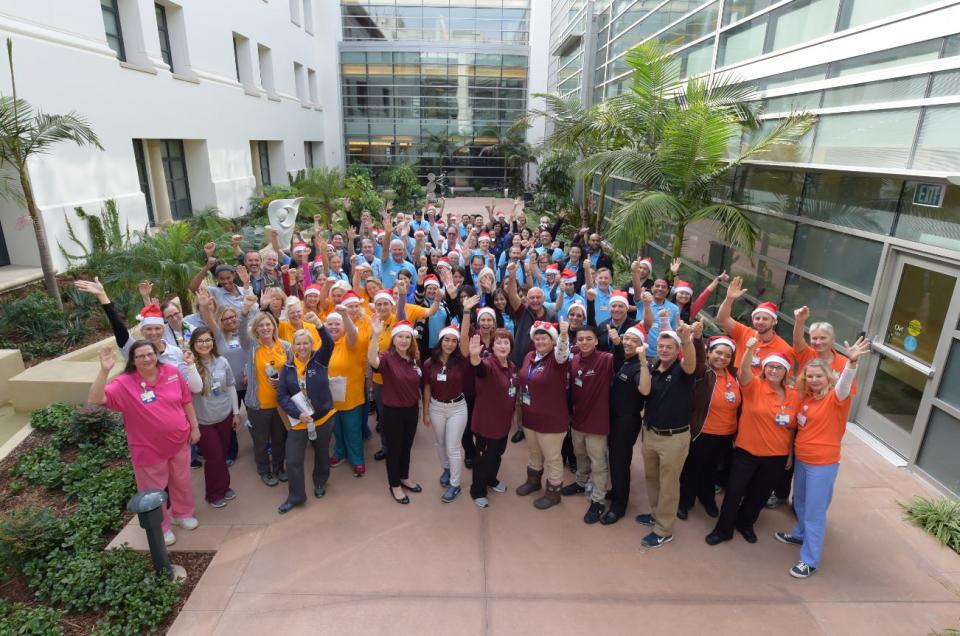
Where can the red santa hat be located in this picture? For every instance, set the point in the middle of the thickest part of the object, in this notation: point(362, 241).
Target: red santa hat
point(402, 327)
point(385, 294)
point(341, 284)
point(443, 261)
point(487, 310)
point(765, 308)
point(682, 286)
point(430, 279)
point(672, 334)
point(619, 297)
point(552, 269)
point(546, 327)
point(484, 236)
point(312, 290)
point(350, 298)
point(449, 331)
point(578, 305)
point(716, 341)
point(773, 358)
point(568, 276)
point(636, 332)
point(648, 262)
point(150, 315)
point(300, 247)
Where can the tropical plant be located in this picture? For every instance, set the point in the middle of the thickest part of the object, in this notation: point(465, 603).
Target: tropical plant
point(516, 153)
point(407, 192)
point(107, 232)
point(26, 133)
point(323, 185)
point(673, 140)
point(940, 518)
point(445, 146)
point(362, 193)
point(169, 259)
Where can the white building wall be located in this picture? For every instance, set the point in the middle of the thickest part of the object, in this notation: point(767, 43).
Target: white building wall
point(539, 71)
point(63, 64)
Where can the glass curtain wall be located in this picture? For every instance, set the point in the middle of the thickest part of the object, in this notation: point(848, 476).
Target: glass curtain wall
point(436, 85)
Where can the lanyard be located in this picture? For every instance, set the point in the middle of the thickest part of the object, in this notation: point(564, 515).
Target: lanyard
point(534, 367)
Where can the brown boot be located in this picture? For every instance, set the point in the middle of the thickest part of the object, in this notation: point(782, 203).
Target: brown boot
point(532, 484)
point(550, 498)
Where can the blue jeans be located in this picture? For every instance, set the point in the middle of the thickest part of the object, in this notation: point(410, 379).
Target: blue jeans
point(812, 492)
point(348, 435)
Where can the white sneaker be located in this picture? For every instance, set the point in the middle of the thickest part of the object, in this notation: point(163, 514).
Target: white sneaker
point(169, 538)
point(482, 502)
point(500, 487)
point(187, 523)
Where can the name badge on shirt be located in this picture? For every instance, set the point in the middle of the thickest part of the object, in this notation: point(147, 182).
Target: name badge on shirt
point(604, 307)
point(147, 396)
point(755, 361)
point(801, 420)
point(578, 382)
point(782, 419)
point(417, 369)
point(441, 377)
point(730, 396)
point(234, 344)
point(623, 377)
point(525, 398)
point(215, 388)
point(512, 392)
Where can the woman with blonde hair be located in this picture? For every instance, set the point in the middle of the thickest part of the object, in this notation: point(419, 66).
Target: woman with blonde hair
point(821, 423)
point(268, 355)
point(272, 301)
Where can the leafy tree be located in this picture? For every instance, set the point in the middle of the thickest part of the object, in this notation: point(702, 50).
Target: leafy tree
point(323, 185)
point(26, 133)
point(407, 191)
point(516, 153)
point(673, 140)
point(363, 194)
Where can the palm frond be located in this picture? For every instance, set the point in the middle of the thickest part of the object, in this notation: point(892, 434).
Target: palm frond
point(49, 130)
point(735, 227)
point(786, 131)
point(634, 165)
point(642, 217)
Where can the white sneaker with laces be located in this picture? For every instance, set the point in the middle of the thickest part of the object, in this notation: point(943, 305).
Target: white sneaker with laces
point(482, 502)
point(169, 538)
point(187, 523)
point(500, 487)
point(801, 570)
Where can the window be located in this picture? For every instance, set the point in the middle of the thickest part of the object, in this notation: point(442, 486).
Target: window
point(938, 147)
point(312, 85)
point(263, 153)
point(111, 25)
point(778, 190)
point(174, 161)
point(236, 56)
point(933, 226)
point(265, 61)
point(949, 390)
point(743, 42)
point(802, 22)
point(945, 84)
point(815, 251)
point(308, 160)
point(243, 64)
point(938, 454)
point(879, 139)
point(295, 12)
point(164, 33)
point(861, 202)
point(141, 161)
point(910, 54)
point(846, 314)
point(299, 82)
point(308, 16)
point(734, 11)
point(863, 11)
point(886, 91)
point(775, 236)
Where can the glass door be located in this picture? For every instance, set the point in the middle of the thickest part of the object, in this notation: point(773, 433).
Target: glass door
point(908, 335)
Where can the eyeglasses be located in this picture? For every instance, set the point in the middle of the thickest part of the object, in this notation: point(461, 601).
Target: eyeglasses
point(144, 356)
point(204, 341)
point(173, 315)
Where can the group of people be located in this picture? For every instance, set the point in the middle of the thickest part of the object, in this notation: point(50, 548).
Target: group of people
point(474, 327)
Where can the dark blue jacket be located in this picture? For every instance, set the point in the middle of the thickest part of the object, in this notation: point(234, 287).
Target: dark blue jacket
point(318, 385)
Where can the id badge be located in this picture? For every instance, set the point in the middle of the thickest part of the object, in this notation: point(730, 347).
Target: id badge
point(782, 419)
point(234, 344)
point(148, 396)
point(215, 388)
point(512, 392)
point(441, 377)
point(525, 398)
point(730, 397)
point(578, 382)
point(623, 377)
point(801, 420)
point(756, 361)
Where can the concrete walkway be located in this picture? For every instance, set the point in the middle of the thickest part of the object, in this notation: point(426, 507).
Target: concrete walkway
point(358, 563)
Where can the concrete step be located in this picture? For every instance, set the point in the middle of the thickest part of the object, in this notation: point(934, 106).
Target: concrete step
point(52, 381)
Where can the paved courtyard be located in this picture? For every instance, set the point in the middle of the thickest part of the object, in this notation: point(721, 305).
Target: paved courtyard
point(357, 563)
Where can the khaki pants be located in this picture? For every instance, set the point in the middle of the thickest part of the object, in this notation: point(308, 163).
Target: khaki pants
point(544, 449)
point(591, 452)
point(663, 457)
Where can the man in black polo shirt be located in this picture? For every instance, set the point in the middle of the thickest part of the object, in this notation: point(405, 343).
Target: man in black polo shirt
point(666, 436)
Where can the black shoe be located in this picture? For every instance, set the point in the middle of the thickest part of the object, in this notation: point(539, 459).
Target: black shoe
point(610, 518)
point(285, 507)
point(572, 465)
point(468, 463)
point(282, 475)
point(682, 513)
point(714, 538)
point(593, 512)
point(608, 496)
point(380, 455)
point(748, 534)
point(413, 488)
point(196, 463)
point(572, 489)
point(712, 511)
point(401, 500)
point(319, 492)
point(518, 436)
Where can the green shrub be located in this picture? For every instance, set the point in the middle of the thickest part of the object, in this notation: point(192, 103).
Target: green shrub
point(40, 466)
point(29, 620)
point(119, 581)
point(33, 317)
point(51, 418)
point(940, 518)
point(27, 534)
point(89, 424)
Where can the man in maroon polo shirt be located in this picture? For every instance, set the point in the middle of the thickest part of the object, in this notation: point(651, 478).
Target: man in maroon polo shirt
point(591, 373)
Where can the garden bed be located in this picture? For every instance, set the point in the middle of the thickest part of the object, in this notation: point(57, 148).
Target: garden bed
point(62, 497)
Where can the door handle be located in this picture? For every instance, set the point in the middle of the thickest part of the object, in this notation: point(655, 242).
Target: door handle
point(889, 352)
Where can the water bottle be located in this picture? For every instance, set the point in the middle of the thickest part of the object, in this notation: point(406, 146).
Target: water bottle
point(271, 371)
point(312, 431)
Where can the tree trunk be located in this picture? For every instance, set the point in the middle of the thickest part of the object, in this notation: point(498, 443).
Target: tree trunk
point(585, 203)
point(678, 239)
point(46, 263)
point(602, 204)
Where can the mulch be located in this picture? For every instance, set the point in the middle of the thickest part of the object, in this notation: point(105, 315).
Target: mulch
point(16, 589)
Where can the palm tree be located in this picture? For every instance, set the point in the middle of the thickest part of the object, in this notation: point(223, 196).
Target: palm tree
point(516, 153)
point(445, 146)
point(27, 133)
point(678, 150)
point(322, 185)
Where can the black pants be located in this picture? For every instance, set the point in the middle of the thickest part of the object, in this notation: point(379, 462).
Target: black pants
point(399, 427)
point(267, 430)
point(297, 442)
point(752, 479)
point(783, 486)
point(699, 473)
point(486, 465)
point(723, 466)
point(566, 451)
point(620, 442)
point(466, 440)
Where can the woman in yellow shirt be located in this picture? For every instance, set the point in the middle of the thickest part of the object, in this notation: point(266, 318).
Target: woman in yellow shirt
point(295, 321)
point(347, 377)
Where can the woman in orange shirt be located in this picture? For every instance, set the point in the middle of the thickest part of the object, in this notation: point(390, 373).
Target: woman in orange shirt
point(764, 444)
point(716, 404)
point(821, 422)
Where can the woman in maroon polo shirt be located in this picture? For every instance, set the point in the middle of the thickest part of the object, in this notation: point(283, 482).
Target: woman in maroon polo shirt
point(543, 404)
point(496, 384)
point(445, 407)
point(401, 400)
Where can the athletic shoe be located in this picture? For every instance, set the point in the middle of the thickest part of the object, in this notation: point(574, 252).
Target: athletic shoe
point(500, 487)
point(445, 477)
point(801, 570)
point(335, 461)
point(187, 523)
point(195, 464)
point(654, 540)
point(359, 470)
point(775, 501)
point(786, 537)
point(230, 495)
point(269, 479)
point(169, 538)
point(645, 519)
point(482, 502)
point(451, 494)
point(219, 503)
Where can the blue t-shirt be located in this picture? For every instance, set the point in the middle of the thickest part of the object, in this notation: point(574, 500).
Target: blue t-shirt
point(436, 322)
point(567, 301)
point(389, 271)
point(654, 334)
point(601, 306)
point(556, 255)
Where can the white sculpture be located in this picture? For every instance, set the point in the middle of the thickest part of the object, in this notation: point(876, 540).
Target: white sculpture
point(283, 218)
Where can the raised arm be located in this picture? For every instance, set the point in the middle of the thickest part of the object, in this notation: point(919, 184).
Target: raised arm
point(468, 305)
point(561, 353)
point(745, 373)
point(120, 332)
point(800, 315)
point(513, 297)
point(647, 299)
point(735, 291)
point(704, 296)
point(97, 394)
point(373, 350)
point(689, 361)
point(200, 275)
point(855, 351)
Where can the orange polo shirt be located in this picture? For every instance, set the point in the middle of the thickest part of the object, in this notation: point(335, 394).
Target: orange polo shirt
point(820, 428)
point(266, 394)
point(777, 345)
point(839, 362)
point(350, 363)
point(722, 415)
point(758, 432)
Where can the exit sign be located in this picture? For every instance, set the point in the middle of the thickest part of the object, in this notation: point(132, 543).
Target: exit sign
point(929, 195)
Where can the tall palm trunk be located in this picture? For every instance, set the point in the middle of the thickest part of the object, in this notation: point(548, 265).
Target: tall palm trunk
point(46, 263)
point(678, 239)
point(602, 204)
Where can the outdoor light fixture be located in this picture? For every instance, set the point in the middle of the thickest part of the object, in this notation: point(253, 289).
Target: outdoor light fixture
point(148, 506)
